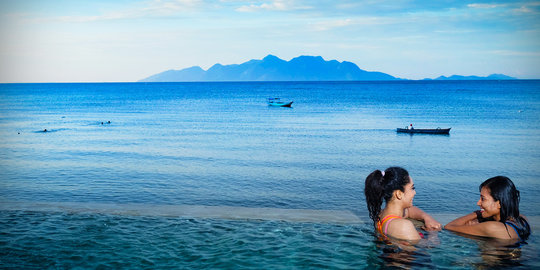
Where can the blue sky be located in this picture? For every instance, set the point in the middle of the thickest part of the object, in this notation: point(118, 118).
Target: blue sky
point(115, 41)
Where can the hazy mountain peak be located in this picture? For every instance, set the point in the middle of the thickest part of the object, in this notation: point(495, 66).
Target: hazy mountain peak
point(301, 68)
point(305, 58)
point(271, 57)
point(272, 68)
point(490, 77)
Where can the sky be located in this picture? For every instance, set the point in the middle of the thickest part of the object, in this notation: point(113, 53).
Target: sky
point(124, 41)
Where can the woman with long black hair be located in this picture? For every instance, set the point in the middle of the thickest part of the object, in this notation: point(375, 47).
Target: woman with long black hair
point(396, 188)
point(498, 216)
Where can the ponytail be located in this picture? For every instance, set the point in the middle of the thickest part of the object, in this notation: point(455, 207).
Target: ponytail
point(381, 185)
point(374, 194)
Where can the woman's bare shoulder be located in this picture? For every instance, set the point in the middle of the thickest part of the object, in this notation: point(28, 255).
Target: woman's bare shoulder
point(403, 229)
point(498, 229)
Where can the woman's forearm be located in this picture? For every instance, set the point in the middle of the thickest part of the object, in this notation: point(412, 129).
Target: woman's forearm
point(464, 220)
point(429, 222)
point(417, 213)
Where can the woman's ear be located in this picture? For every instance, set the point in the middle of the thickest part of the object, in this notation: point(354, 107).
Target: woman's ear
point(498, 204)
point(398, 194)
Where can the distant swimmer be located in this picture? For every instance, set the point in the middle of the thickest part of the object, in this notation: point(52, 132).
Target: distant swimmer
point(45, 130)
point(108, 122)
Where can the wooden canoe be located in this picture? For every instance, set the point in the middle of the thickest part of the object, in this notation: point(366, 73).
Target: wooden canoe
point(425, 130)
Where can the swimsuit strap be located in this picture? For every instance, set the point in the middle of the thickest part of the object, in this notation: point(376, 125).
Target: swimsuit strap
point(515, 229)
point(387, 220)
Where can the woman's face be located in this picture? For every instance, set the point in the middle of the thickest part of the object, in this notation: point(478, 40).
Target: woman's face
point(488, 205)
point(408, 193)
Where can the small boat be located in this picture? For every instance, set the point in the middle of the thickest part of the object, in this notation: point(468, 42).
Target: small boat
point(425, 130)
point(276, 102)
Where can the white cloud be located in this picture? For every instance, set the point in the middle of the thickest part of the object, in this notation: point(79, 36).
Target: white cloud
point(455, 31)
point(327, 25)
point(519, 7)
point(167, 6)
point(277, 5)
point(523, 9)
point(155, 8)
point(484, 6)
point(103, 17)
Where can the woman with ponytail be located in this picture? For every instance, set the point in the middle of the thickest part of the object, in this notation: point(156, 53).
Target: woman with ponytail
point(396, 188)
point(498, 216)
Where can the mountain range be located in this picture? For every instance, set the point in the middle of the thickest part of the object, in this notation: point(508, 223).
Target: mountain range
point(490, 77)
point(302, 68)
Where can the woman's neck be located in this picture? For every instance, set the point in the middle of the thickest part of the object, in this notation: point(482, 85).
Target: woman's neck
point(393, 208)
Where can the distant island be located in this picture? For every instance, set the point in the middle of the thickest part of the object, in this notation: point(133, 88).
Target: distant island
point(490, 77)
point(272, 68)
point(302, 68)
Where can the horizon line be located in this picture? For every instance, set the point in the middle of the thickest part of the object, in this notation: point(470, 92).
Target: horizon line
point(321, 81)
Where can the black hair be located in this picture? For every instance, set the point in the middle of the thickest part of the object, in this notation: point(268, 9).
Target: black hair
point(502, 189)
point(381, 186)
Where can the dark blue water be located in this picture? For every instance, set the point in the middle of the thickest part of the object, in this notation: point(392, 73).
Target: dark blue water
point(219, 144)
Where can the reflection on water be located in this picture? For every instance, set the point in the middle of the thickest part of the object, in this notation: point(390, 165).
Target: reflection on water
point(446, 249)
point(497, 252)
point(405, 259)
point(403, 254)
point(493, 256)
point(486, 256)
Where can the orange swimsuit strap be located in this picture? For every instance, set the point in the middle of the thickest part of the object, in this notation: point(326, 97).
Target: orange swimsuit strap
point(381, 223)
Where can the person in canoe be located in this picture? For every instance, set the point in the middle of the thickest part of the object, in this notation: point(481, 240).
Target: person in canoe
point(396, 187)
point(498, 216)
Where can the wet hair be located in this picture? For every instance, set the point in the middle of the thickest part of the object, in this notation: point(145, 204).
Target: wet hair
point(502, 189)
point(381, 186)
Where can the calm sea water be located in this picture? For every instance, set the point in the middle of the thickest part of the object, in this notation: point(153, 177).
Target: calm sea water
point(88, 193)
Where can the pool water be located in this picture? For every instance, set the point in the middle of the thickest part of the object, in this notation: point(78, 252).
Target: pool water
point(41, 240)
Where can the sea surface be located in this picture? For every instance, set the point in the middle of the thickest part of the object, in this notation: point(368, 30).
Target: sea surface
point(206, 175)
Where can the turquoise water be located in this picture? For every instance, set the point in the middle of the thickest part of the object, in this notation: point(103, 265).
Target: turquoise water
point(64, 240)
point(112, 192)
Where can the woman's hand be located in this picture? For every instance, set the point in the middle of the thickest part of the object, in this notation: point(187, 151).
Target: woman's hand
point(472, 222)
point(430, 224)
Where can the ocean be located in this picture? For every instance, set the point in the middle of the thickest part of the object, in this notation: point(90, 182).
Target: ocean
point(206, 175)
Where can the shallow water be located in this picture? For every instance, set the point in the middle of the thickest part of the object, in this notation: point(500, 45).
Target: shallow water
point(200, 145)
point(34, 239)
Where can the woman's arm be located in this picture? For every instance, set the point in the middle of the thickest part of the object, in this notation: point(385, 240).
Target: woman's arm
point(462, 221)
point(469, 224)
point(430, 223)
